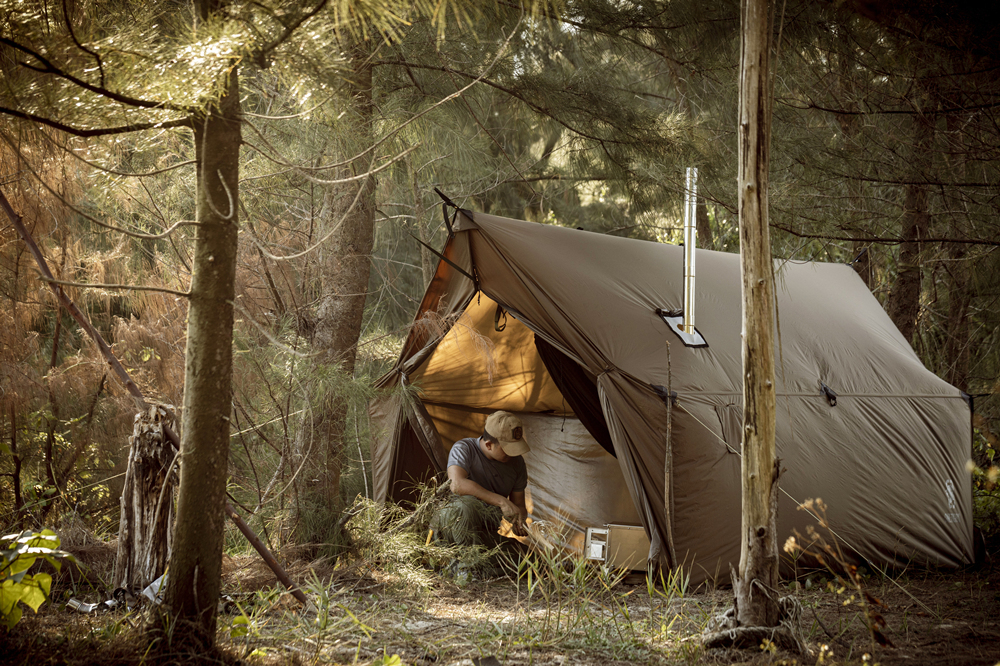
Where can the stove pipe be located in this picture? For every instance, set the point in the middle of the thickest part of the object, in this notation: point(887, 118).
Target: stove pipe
point(690, 240)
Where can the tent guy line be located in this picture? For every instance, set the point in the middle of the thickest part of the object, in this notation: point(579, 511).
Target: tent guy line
point(812, 513)
point(785, 492)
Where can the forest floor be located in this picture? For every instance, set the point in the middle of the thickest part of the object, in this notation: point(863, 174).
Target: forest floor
point(361, 616)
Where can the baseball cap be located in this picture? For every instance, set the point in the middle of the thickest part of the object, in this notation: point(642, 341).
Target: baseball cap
point(507, 430)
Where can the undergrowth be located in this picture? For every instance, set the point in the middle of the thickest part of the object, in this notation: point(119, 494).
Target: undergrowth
point(394, 596)
point(375, 606)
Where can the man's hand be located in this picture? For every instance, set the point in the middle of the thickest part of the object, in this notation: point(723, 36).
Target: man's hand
point(515, 515)
point(510, 510)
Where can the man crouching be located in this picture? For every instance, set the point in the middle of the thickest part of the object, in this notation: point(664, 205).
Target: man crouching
point(488, 477)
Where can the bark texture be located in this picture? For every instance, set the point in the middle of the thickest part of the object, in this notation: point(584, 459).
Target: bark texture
point(147, 503)
point(703, 225)
point(15, 476)
point(345, 265)
point(196, 562)
point(904, 299)
point(960, 284)
point(756, 604)
point(850, 128)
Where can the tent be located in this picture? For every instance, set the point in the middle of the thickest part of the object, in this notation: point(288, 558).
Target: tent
point(630, 425)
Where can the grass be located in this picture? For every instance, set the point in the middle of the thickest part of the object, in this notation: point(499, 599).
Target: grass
point(394, 595)
point(569, 612)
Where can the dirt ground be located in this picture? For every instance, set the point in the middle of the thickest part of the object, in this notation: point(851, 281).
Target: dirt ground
point(361, 616)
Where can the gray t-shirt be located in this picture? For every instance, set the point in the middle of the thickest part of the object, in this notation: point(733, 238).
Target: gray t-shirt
point(502, 478)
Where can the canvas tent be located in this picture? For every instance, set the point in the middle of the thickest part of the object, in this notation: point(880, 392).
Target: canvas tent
point(565, 327)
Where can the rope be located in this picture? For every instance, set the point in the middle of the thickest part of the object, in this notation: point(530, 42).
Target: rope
point(787, 494)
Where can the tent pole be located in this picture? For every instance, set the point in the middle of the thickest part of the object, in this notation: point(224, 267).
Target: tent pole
point(668, 471)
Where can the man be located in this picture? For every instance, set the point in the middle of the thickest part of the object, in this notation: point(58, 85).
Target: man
point(488, 477)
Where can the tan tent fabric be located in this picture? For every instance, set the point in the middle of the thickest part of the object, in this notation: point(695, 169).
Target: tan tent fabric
point(888, 459)
point(573, 483)
point(477, 366)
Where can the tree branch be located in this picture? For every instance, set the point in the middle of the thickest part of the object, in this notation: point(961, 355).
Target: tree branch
point(70, 306)
point(99, 285)
point(48, 68)
point(135, 392)
point(510, 91)
point(289, 29)
point(890, 240)
point(889, 112)
point(102, 131)
point(72, 34)
point(134, 234)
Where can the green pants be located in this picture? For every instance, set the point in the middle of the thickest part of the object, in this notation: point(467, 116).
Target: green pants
point(468, 521)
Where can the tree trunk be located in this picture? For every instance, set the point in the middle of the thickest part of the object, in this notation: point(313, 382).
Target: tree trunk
point(703, 226)
point(344, 272)
point(16, 474)
point(957, 339)
point(756, 603)
point(956, 347)
point(904, 299)
point(196, 562)
point(147, 503)
point(850, 127)
point(428, 261)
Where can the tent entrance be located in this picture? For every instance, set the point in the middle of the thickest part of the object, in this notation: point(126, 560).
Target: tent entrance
point(573, 481)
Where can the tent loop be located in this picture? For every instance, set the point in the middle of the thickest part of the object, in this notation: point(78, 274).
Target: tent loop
point(667, 397)
point(446, 201)
point(831, 395)
point(497, 326)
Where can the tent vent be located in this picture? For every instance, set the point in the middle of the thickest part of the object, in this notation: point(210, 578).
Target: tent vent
point(675, 320)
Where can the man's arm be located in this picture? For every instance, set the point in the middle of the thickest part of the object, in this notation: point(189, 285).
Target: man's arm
point(461, 484)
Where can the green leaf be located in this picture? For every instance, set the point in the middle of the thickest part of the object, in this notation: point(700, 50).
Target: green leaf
point(37, 590)
point(10, 594)
point(240, 627)
point(21, 564)
point(18, 576)
point(12, 618)
point(56, 564)
point(44, 539)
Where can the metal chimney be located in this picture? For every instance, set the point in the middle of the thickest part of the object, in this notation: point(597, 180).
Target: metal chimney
point(690, 240)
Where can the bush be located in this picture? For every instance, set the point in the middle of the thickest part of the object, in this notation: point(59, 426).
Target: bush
point(17, 586)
